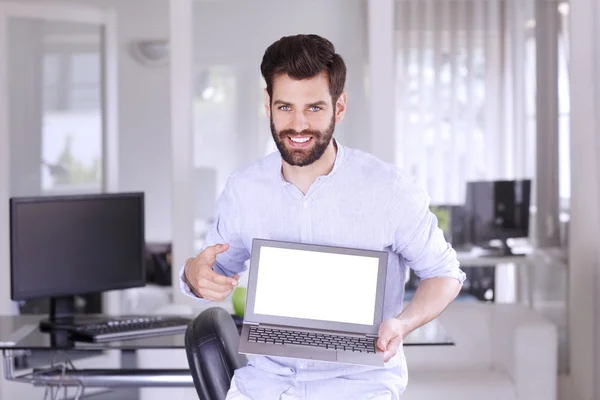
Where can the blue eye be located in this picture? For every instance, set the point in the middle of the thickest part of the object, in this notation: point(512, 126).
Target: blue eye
point(315, 108)
point(285, 108)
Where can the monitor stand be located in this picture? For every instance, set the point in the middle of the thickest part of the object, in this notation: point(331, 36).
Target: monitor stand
point(503, 251)
point(61, 338)
point(62, 315)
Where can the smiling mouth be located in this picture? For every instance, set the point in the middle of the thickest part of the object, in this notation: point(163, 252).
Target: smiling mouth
point(300, 141)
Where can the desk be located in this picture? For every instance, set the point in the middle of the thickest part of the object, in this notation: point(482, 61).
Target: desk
point(506, 282)
point(20, 334)
point(471, 259)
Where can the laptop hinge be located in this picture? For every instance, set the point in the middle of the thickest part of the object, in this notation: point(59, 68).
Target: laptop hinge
point(251, 323)
point(372, 335)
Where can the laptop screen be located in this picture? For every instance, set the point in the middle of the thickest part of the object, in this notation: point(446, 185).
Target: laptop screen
point(316, 285)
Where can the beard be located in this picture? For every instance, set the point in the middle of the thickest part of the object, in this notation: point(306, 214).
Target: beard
point(303, 157)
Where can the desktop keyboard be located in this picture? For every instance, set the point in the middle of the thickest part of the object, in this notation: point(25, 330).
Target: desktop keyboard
point(129, 328)
point(326, 341)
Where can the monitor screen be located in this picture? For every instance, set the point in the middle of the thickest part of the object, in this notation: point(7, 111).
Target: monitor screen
point(71, 245)
point(316, 285)
point(453, 222)
point(443, 213)
point(498, 209)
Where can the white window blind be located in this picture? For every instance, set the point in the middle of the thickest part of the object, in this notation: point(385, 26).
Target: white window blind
point(461, 93)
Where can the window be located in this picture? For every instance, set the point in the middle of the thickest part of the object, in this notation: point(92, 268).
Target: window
point(55, 97)
point(450, 95)
point(72, 123)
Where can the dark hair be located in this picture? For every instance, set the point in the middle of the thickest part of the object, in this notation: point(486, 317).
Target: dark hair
point(304, 57)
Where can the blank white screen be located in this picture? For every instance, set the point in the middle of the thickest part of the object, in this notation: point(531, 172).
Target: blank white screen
point(315, 285)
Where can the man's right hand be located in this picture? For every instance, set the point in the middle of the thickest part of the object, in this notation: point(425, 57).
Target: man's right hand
point(205, 282)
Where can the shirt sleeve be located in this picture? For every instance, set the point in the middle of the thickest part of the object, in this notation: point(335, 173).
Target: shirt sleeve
point(418, 238)
point(224, 230)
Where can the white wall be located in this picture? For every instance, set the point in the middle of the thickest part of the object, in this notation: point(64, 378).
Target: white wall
point(144, 113)
point(25, 111)
point(382, 73)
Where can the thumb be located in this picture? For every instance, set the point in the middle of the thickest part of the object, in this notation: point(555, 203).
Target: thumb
point(393, 345)
point(220, 248)
point(209, 254)
point(383, 340)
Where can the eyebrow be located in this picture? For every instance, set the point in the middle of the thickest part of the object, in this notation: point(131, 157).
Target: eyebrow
point(320, 103)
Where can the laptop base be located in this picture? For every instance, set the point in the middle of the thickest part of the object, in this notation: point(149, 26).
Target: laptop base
point(307, 352)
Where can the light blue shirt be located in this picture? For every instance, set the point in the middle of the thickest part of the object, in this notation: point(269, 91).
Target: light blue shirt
point(363, 203)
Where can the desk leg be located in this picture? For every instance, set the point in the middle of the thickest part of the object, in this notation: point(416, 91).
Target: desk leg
point(129, 361)
point(525, 284)
point(530, 284)
point(505, 283)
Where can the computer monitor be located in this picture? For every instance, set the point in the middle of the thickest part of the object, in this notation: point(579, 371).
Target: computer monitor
point(498, 210)
point(452, 221)
point(63, 246)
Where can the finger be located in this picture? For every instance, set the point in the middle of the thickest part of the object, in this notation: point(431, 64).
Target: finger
point(209, 254)
point(221, 279)
point(392, 348)
point(236, 277)
point(381, 343)
point(212, 295)
point(215, 287)
point(384, 337)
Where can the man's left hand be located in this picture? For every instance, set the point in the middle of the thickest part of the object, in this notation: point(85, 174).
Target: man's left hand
point(391, 334)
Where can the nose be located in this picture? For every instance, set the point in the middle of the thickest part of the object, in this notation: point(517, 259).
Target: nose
point(300, 122)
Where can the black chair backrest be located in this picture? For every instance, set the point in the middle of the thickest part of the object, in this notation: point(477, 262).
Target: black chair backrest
point(211, 344)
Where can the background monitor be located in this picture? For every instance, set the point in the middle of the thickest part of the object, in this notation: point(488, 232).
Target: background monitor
point(498, 210)
point(452, 221)
point(62, 246)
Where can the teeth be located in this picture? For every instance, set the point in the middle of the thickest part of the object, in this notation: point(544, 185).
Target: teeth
point(300, 140)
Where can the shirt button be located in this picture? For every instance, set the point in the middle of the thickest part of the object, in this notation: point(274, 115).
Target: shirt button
point(305, 204)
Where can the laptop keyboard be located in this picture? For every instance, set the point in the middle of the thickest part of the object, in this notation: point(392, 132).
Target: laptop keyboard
point(325, 341)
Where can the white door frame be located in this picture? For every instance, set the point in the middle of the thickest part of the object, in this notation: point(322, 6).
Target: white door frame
point(67, 12)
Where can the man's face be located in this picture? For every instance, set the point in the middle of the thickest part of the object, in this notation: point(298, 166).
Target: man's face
point(303, 117)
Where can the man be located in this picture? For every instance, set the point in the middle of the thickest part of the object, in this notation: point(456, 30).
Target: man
point(314, 190)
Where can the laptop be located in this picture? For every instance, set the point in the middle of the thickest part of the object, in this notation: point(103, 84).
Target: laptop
point(314, 302)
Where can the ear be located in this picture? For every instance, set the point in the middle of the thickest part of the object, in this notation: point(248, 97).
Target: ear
point(340, 108)
point(267, 103)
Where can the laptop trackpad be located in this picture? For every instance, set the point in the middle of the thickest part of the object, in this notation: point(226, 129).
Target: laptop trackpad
point(311, 353)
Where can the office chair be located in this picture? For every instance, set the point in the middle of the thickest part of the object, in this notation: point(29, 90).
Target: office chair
point(211, 345)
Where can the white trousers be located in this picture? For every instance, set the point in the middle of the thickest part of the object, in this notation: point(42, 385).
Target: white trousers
point(234, 393)
point(290, 394)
